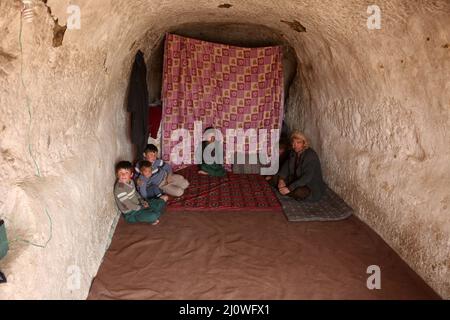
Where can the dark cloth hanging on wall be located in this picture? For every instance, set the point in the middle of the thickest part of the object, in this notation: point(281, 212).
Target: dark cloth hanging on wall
point(138, 103)
point(154, 120)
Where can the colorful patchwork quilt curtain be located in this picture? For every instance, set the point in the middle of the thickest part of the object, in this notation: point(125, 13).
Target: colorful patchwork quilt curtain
point(223, 86)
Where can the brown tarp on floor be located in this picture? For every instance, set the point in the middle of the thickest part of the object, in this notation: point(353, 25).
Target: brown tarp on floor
point(240, 255)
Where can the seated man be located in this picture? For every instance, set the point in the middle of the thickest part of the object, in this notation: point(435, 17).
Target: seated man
point(300, 176)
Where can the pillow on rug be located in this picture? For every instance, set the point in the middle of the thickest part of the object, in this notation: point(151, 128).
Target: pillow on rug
point(246, 168)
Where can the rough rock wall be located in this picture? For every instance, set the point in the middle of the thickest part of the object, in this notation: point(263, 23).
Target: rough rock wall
point(376, 105)
point(61, 133)
point(374, 102)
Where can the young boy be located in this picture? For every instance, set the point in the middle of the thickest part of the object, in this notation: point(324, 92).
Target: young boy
point(146, 189)
point(162, 175)
point(133, 207)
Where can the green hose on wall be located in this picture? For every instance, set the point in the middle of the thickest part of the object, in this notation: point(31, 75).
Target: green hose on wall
point(3, 240)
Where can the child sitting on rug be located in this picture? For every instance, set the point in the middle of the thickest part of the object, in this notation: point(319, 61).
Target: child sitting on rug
point(146, 189)
point(133, 207)
point(212, 167)
point(162, 176)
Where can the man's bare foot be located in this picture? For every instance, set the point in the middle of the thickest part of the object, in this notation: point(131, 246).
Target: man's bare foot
point(203, 172)
point(164, 197)
point(155, 223)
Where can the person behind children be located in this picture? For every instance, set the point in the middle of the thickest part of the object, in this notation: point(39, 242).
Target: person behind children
point(211, 167)
point(300, 176)
point(162, 176)
point(133, 207)
point(146, 189)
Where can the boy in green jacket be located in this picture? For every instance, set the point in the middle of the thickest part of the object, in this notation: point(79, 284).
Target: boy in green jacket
point(133, 207)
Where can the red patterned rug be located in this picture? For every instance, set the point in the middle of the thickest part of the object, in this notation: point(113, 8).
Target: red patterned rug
point(243, 192)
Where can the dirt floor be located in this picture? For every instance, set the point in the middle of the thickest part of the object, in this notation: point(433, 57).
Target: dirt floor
point(239, 255)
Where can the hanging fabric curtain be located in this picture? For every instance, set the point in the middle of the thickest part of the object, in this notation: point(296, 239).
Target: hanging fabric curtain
point(223, 86)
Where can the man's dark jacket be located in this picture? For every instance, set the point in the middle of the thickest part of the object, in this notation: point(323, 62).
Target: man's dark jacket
point(308, 173)
point(138, 103)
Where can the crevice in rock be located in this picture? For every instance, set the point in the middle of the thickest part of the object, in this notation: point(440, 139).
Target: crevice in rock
point(295, 25)
point(5, 62)
point(224, 6)
point(58, 30)
point(5, 56)
point(58, 34)
point(49, 10)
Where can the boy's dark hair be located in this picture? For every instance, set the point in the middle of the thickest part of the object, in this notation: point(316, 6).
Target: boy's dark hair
point(124, 165)
point(144, 164)
point(208, 128)
point(151, 148)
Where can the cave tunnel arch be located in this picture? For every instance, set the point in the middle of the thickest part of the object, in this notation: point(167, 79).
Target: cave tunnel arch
point(373, 102)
